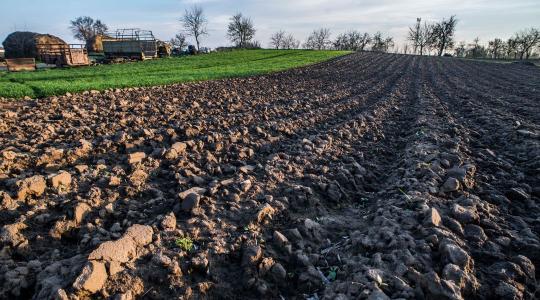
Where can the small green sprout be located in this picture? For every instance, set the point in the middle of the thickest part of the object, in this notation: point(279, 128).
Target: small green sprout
point(185, 243)
point(332, 274)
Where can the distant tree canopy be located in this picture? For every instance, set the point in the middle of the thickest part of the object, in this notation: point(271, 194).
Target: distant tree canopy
point(443, 35)
point(241, 31)
point(520, 46)
point(421, 35)
point(352, 40)
point(381, 43)
point(86, 28)
point(438, 36)
point(179, 41)
point(319, 39)
point(283, 40)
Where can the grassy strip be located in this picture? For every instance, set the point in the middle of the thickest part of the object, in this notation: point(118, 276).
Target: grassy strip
point(49, 82)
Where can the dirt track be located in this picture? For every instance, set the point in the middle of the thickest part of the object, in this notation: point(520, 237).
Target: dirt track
point(372, 175)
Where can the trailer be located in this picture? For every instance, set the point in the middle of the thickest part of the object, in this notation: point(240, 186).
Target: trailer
point(130, 44)
point(64, 54)
point(20, 64)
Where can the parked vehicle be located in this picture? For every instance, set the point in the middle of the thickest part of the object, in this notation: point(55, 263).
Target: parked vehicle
point(130, 44)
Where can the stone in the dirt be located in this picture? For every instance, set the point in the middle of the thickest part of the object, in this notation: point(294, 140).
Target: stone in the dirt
point(6, 202)
point(475, 233)
point(517, 194)
point(10, 234)
point(61, 180)
point(121, 250)
point(138, 178)
point(278, 272)
point(267, 211)
point(450, 185)
point(33, 186)
point(280, 240)
point(115, 268)
point(92, 277)
point(334, 192)
point(378, 295)
point(136, 157)
point(141, 234)
point(196, 190)
point(465, 214)
point(114, 181)
point(251, 255)
point(190, 202)
point(452, 253)
point(454, 273)
point(311, 279)
point(507, 291)
point(81, 168)
point(245, 185)
point(179, 147)
point(169, 222)
point(453, 225)
point(433, 218)
point(526, 265)
point(9, 155)
point(80, 212)
point(125, 248)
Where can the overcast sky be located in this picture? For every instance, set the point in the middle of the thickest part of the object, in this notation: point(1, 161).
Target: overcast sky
point(485, 19)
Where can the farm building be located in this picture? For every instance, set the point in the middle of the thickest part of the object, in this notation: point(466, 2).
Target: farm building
point(2, 53)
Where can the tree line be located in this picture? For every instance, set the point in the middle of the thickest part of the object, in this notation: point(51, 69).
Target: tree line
point(439, 37)
point(241, 32)
point(426, 38)
point(522, 45)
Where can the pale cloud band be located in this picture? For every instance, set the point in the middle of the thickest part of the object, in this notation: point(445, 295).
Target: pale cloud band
point(485, 19)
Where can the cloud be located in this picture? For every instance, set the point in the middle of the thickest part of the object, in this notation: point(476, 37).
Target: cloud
point(483, 18)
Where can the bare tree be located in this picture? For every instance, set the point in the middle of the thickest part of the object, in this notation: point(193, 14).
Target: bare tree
point(460, 49)
point(86, 28)
point(406, 49)
point(496, 48)
point(443, 35)
point(352, 40)
point(194, 23)
point(381, 43)
point(476, 50)
point(511, 48)
point(277, 39)
point(241, 30)
point(414, 34)
point(526, 41)
point(421, 36)
point(319, 39)
point(341, 42)
point(290, 42)
point(179, 41)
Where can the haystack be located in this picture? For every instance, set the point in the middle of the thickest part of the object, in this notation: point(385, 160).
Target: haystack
point(95, 44)
point(25, 44)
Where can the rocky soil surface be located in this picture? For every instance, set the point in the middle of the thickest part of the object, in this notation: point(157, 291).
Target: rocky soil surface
point(371, 176)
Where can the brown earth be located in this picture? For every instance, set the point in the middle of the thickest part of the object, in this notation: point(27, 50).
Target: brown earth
point(371, 176)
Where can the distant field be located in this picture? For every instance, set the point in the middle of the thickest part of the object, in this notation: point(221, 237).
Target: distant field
point(44, 83)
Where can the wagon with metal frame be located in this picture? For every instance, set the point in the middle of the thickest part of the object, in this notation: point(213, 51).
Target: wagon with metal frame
point(130, 44)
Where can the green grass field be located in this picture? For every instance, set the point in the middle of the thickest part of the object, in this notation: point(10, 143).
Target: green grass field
point(49, 82)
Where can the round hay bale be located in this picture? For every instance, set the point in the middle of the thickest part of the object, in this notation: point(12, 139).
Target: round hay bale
point(24, 44)
point(95, 44)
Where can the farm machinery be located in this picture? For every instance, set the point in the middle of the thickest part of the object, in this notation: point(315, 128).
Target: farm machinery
point(64, 54)
point(130, 44)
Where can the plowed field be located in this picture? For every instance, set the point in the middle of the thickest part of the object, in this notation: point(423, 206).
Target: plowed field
point(368, 176)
